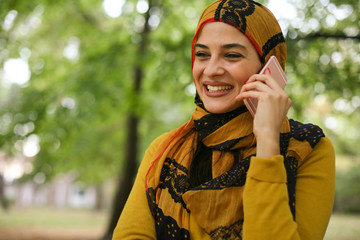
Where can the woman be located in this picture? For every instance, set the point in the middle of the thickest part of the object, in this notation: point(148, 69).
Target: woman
point(226, 174)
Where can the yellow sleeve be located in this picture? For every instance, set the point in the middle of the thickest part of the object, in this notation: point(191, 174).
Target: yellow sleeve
point(136, 221)
point(266, 208)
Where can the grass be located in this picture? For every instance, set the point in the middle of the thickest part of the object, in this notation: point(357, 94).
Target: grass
point(60, 224)
point(46, 217)
point(49, 223)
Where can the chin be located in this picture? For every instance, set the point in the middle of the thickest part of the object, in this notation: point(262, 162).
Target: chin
point(220, 109)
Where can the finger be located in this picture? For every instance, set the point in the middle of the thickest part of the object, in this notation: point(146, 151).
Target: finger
point(263, 92)
point(257, 86)
point(266, 79)
point(249, 94)
point(289, 103)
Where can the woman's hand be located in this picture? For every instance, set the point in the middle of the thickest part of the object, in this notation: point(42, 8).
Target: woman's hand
point(273, 105)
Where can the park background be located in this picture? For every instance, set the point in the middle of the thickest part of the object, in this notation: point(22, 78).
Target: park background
point(85, 86)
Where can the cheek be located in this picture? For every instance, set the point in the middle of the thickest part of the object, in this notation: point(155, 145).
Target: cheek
point(196, 71)
point(195, 79)
point(242, 73)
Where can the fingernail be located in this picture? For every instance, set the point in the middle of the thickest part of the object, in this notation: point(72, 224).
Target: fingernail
point(269, 70)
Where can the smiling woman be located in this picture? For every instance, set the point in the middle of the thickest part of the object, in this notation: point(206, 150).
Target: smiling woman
point(224, 60)
point(226, 174)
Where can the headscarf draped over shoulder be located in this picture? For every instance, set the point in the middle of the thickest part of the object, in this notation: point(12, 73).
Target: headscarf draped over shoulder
point(254, 20)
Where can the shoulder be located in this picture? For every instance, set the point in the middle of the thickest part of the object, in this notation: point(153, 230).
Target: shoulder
point(309, 142)
point(324, 148)
point(158, 145)
point(320, 163)
point(160, 142)
point(306, 132)
point(153, 150)
point(320, 150)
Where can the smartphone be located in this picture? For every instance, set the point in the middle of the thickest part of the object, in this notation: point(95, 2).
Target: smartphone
point(276, 71)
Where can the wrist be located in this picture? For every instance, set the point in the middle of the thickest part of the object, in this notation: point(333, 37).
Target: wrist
point(267, 146)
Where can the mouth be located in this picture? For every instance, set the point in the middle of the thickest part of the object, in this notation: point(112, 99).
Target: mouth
point(215, 89)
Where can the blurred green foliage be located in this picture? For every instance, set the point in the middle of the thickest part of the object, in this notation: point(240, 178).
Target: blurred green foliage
point(77, 104)
point(348, 191)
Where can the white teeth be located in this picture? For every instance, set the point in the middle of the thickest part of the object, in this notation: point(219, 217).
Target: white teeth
point(218, 88)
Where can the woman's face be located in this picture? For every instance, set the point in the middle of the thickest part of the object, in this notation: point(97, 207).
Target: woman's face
point(224, 60)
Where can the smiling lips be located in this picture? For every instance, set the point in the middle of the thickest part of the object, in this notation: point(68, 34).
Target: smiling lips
point(219, 88)
point(216, 89)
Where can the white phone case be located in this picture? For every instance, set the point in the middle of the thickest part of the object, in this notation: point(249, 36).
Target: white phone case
point(276, 72)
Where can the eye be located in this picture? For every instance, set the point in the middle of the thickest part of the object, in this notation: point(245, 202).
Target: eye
point(201, 54)
point(233, 55)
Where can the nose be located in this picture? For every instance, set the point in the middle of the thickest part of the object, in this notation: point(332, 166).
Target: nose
point(214, 67)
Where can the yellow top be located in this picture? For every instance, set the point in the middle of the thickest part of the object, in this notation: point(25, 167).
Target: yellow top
point(266, 207)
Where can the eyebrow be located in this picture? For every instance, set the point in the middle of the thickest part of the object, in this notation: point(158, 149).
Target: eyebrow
point(226, 46)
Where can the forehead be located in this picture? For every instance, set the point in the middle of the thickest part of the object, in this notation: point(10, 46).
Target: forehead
point(219, 32)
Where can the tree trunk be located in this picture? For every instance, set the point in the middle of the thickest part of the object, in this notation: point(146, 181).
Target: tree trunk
point(126, 181)
point(3, 200)
point(99, 203)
